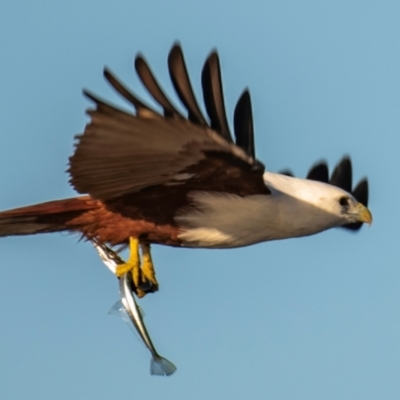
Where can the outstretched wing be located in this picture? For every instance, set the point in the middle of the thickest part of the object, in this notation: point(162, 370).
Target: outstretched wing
point(120, 154)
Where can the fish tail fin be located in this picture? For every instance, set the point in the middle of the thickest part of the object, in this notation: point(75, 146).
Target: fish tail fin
point(161, 366)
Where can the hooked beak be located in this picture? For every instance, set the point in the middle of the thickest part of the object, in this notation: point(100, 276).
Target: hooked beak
point(363, 214)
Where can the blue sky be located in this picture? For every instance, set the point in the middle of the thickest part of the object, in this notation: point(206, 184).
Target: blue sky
point(311, 318)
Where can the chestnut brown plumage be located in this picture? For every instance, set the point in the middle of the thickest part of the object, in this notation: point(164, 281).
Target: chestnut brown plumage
point(136, 170)
point(137, 195)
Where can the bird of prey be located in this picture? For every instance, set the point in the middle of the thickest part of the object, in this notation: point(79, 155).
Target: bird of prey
point(179, 179)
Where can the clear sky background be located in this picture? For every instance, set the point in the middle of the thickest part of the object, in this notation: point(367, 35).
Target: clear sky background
point(311, 318)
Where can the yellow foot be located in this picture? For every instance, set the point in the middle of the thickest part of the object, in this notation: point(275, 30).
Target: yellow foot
point(133, 262)
point(132, 266)
point(143, 275)
point(147, 267)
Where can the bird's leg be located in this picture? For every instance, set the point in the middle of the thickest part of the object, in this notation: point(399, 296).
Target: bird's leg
point(143, 273)
point(147, 267)
point(132, 265)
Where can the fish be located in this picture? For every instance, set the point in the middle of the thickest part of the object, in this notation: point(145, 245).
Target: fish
point(131, 313)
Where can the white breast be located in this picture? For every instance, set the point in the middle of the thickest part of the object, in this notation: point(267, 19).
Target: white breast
point(222, 220)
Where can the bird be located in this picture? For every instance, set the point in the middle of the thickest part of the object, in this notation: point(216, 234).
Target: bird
point(178, 178)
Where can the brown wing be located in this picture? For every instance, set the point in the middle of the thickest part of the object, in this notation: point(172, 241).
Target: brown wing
point(152, 157)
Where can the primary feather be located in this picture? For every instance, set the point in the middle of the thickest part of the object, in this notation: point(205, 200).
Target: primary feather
point(180, 180)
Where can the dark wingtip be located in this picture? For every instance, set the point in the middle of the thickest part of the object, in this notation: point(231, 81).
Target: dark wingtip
point(342, 175)
point(361, 192)
point(151, 84)
point(109, 76)
point(287, 173)
point(243, 123)
point(319, 172)
point(176, 51)
point(139, 54)
point(139, 59)
point(176, 43)
point(353, 227)
point(120, 88)
point(213, 95)
point(183, 88)
point(87, 93)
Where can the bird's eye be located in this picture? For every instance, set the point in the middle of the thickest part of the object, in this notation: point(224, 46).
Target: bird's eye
point(344, 201)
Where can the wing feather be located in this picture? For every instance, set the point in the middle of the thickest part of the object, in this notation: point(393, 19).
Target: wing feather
point(141, 108)
point(120, 154)
point(181, 82)
point(319, 172)
point(243, 122)
point(149, 81)
point(342, 175)
point(214, 96)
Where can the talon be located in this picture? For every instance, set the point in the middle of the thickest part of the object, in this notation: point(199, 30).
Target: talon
point(122, 269)
point(147, 268)
point(133, 263)
point(139, 292)
point(143, 273)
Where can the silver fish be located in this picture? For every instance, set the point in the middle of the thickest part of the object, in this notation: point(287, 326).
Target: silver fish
point(158, 365)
